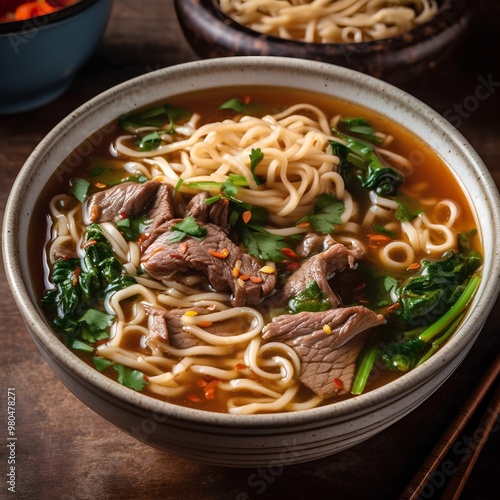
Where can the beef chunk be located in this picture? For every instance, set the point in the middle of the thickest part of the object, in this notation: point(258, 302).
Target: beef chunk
point(216, 256)
point(328, 359)
point(320, 268)
point(130, 198)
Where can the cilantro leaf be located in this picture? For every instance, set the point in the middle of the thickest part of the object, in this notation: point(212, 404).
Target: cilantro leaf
point(405, 213)
point(101, 363)
point(262, 244)
point(132, 227)
point(256, 156)
point(134, 379)
point(327, 212)
point(96, 320)
point(187, 226)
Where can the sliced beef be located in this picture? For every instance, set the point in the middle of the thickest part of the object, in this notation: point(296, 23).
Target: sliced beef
point(130, 198)
point(311, 243)
point(161, 211)
point(216, 212)
point(217, 257)
point(180, 338)
point(328, 359)
point(64, 253)
point(158, 328)
point(320, 268)
point(168, 326)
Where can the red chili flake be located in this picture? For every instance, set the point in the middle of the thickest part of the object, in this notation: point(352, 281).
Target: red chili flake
point(100, 185)
point(302, 224)
point(201, 383)
point(256, 279)
point(338, 383)
point(246, 216)
point(244, 277)
point(220, 255)
point(413, 267)
point(123, 215)
point(210, 388)
point(246, 99)
point(184, 247)
point(205, 324)
point(194, 398)
point(393, 307)
point(288, 252)
point(362, 300)
point(293, 266)
point(360, 287)
point(94, 213)
point(175, 256)
point(89, 243)
point(240, 366)
point(142, 238)
point(379, 238)
point(76, 274)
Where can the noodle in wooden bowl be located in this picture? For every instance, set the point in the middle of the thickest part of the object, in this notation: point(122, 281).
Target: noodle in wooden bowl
point(194, 362)
point(397, 41)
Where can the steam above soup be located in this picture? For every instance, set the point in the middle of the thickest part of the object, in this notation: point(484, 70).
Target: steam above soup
point(257, 250)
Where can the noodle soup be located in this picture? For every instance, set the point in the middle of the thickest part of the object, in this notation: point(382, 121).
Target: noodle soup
point(330, 21)
point(256, 250)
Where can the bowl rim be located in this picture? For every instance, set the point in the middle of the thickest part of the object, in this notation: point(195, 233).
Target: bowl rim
point(16, 28)
point(451, 13)
point(358, 405)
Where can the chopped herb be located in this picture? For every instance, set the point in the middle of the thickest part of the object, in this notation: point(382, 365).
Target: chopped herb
point(382, 230)
point(80, 189)
point(155, 117)
point(150, 141)
point(311, 299)
point(405, 213)
point(262, 244)
point(239, 106)
point(361, 128)
point(132, 227)
point(256, 156)
point(178, 185)
point(134, 379)
point(101, 363)
point(327, 212)
point(187, 226)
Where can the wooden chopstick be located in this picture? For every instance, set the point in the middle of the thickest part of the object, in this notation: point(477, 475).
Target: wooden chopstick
point(429, 466)
point(457, 482)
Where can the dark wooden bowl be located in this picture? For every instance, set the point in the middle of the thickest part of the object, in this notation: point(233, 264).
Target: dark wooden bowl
point(398, 60)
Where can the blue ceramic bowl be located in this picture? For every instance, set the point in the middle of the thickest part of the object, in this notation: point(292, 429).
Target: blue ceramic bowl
point(40, 56)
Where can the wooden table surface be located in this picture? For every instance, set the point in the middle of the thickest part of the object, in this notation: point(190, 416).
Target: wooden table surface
point(65, 451)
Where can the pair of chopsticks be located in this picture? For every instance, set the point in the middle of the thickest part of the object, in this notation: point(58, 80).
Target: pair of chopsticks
point(461, 472)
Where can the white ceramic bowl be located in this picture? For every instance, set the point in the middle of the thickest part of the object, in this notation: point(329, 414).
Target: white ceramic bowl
point(235, 440)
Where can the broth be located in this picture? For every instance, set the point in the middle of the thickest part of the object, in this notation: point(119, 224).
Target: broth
point(427, 180)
